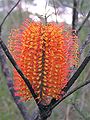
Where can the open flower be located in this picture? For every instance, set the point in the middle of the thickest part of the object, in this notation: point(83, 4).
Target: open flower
point(45, 54)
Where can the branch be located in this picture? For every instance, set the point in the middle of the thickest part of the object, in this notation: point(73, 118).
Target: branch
point(77, 73)
point(67, 95)
point(5, 49)
point(21, 106)
point(72, 80)
point(71, 92)
point(6, 71)
point(74, 15)
point(7, 74)
point(88, 15)
point(9, 13)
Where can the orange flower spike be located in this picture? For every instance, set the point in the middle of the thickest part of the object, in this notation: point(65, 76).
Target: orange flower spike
point(56, 60)
point(45, 53)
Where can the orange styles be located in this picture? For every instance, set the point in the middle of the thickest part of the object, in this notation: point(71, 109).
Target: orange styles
point(45, 54)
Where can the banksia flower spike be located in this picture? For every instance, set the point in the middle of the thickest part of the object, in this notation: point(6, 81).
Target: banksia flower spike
point(45, 54)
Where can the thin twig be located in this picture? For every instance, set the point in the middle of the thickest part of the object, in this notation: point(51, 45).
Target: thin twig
point(9, 13)
point(88, 15)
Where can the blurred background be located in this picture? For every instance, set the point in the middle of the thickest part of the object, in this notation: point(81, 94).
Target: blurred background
point(77, 106)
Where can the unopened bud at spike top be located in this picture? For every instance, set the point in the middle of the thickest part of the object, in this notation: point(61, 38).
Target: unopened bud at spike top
point(45, 54)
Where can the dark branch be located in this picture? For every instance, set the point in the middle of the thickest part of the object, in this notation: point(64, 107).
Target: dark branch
point(5, 49)
point(9, 13)
point(88, 15)
point(71, 92)
point(74, 15)
point(77, 73)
